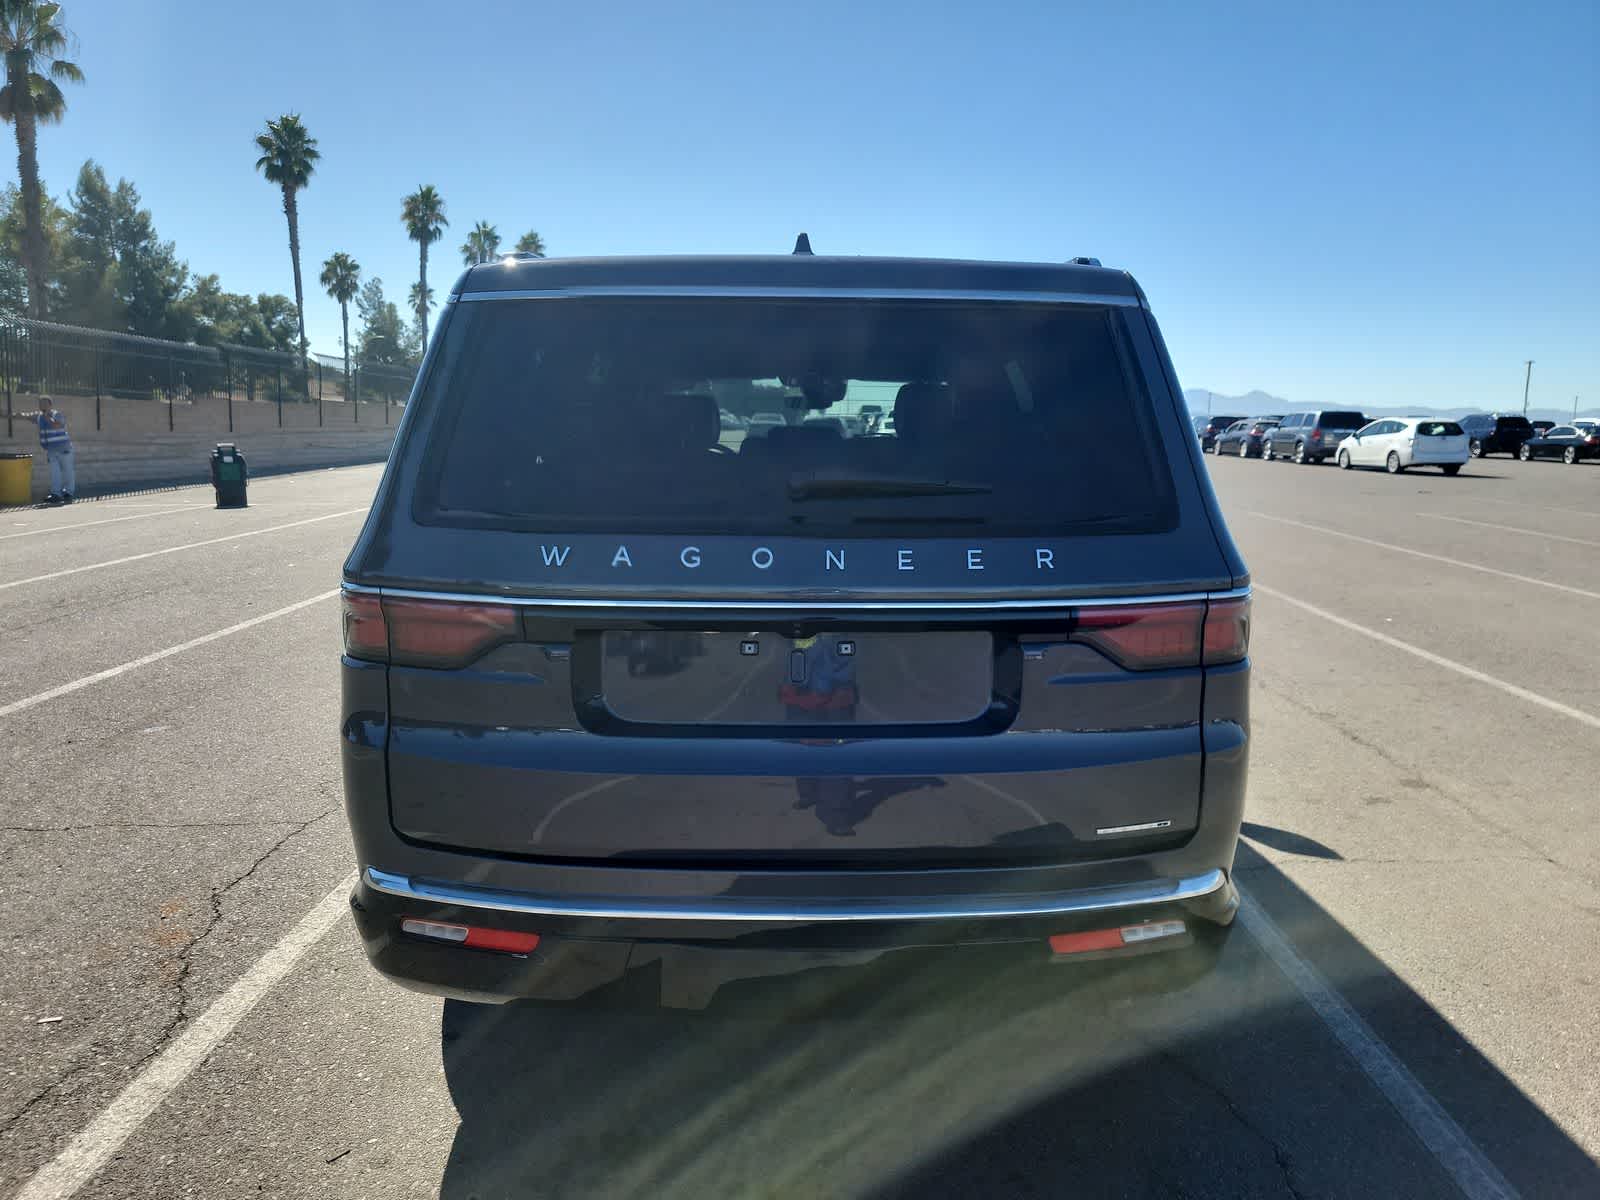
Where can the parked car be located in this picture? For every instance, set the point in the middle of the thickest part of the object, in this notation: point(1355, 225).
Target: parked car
point(760, 423)
point(1311, 437)
point(1496, 433)
point(1395, 443)
point(1542, 426)
point(1030, 700)
point(1210, 427)
point(1566, 442)
point(1244, 438)
point(730, 421)
point(1586, 426)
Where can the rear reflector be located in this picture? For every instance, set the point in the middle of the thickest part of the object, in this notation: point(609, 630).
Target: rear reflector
point(424, 633)
point(505, 940)
point(1114, 939)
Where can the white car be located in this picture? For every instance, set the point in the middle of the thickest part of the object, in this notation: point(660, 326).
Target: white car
point(1395, 443)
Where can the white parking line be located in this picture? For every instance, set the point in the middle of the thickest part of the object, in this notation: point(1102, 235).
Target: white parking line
point(1440, 558)
point(1474, 1174)
point(1438, 660)
point(108, 521)
point(91, 1149)
point(1554, 537)
point(64, 689)
point(232, 537)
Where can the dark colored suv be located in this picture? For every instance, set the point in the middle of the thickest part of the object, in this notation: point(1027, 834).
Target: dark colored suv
point(622, 689)
point(1310, 437)
point(1496, 433)
point(1211, 427)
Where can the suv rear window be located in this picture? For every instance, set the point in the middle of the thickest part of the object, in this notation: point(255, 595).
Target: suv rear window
point(1512, 423)
point(1341, 420)
point(601, 414)
point(1438, 429)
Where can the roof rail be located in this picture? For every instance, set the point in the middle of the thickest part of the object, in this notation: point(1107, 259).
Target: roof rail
point(1086, 262)
point(802, 244)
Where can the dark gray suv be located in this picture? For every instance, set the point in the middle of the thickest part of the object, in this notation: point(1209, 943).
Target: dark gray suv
point(624, 689)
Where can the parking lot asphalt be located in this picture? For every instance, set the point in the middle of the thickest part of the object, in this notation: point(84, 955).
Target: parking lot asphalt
point(1407, 1011)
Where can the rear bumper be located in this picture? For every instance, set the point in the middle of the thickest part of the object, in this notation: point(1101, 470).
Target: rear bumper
point(587, 944)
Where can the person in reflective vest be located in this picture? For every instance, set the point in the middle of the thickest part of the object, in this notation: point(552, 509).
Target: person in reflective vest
point(57, 446)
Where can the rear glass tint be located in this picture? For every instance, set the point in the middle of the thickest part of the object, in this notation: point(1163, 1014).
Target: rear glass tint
point(602, 414)
point(1341, 420)
point(1438, 429)
point(1513, 423)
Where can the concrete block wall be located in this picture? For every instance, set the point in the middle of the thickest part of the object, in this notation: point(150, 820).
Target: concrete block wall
point(134, 447)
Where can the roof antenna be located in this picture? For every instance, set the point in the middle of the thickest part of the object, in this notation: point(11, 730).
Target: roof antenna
point(802, 244)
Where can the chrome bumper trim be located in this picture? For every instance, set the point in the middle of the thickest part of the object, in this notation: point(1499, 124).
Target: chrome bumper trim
point(1088, 900)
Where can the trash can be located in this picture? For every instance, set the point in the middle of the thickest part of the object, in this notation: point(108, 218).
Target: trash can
point(16, 477)
point(228, 475)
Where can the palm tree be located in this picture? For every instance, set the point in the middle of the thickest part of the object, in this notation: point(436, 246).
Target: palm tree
point(421, 303)
point(482, 244)
point(531, 243)
point(32, 40)
point(422, 213)
point(341, 276)
point(288, 153)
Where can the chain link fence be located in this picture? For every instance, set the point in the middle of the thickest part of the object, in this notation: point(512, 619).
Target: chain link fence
point(43, 358)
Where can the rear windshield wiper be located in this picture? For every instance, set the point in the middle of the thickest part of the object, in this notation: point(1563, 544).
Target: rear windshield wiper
point(830, 487)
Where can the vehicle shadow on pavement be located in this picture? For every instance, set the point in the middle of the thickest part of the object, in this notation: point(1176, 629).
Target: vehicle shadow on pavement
point(921, 1077)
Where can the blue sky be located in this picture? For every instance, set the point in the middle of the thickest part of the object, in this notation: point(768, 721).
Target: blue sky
point(1368, 205)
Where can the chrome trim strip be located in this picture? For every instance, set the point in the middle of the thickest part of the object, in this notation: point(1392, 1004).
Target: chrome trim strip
point(1089, 900)
point(359, 588)
point(865, 293)
point(799, 601)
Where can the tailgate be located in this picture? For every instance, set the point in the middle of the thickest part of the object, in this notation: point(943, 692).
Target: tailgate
point(863, 739)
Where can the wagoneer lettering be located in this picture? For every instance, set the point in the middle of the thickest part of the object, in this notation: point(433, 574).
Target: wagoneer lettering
point(733, 697)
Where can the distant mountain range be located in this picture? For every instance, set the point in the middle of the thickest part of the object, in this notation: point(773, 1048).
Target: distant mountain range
point(1258, 403)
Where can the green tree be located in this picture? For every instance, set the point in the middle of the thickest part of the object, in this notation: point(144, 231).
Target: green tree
point(288, 157)
point(341, 276)
point(417, 300)
point(13, 229)
point(32, 41)
point(422, 213)
point(115, 272)
point(482, 244)
point(531, 243)
point(383, 335)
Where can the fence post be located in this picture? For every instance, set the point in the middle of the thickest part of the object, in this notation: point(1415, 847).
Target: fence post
point(280, 397)
point(169, 393)
point(319, 394)
point(5, 368)
point(355, 403)
point(227, 367)
point(97, 369)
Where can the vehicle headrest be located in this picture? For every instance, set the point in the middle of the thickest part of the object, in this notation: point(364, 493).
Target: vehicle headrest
point(919, 409)
point(697, 419)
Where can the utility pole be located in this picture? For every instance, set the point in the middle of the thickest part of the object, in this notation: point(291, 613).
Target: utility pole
point(1574, 408)
point(1208, 403)
point(1526, 379)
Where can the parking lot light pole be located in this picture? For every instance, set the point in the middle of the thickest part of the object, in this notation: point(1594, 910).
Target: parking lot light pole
point(1526, 379)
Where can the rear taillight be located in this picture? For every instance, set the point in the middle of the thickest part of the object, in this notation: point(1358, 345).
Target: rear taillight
point(424, 633)
point(364, 632)
point(1147, 637)
point(1227, 633)
point(1592, 440)
point(1316, 435)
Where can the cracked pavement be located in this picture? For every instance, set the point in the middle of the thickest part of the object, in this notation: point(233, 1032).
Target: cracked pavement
point(1426, 842)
